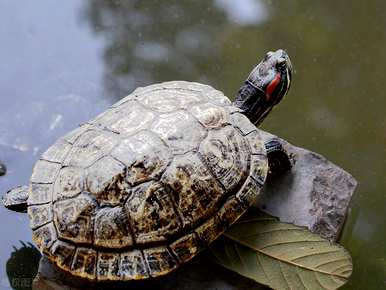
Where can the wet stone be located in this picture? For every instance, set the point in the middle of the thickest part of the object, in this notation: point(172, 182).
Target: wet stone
point(316, 192)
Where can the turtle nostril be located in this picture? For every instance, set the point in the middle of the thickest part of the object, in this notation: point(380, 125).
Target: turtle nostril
point(269, 54)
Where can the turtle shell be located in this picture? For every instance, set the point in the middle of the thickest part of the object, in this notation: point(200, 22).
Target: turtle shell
point(147, 184)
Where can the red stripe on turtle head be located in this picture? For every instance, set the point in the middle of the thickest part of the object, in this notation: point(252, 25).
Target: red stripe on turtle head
point(272, 86)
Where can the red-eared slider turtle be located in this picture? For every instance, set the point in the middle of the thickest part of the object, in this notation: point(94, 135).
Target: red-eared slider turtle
point(143, 187)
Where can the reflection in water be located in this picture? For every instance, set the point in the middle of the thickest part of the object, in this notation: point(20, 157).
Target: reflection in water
point(337, 103)
point(22, 266)
point(244, 12)
point(151, 42)
point(53, 73)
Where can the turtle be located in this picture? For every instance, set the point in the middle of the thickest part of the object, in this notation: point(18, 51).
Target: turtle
point(149, 183)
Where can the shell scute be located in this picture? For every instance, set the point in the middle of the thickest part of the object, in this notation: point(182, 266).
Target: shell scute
point(152, 213)
point(145, 156)
point(133, 266)
point(40, 193)
point(89, 147)
point(126, 120)
point(63, 254)
point(196, 192)
point(108, 267)
point(44, 237)
point(159, 260)
point(57, 152)
point(44, 172)
point(112, 228)
point(84, 263)
point(225, 154)
point(186, 247)
point(106, 181)
point(39, 215)
point(179, 130)
point(209, 115)
point(74, 219)
point(241, 122)
point(166, 101)
point(69, 183)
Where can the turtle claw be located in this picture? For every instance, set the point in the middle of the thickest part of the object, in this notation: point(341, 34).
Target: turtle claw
point(16, 199)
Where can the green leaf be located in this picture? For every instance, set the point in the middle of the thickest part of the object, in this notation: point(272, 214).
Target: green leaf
point(281, 255)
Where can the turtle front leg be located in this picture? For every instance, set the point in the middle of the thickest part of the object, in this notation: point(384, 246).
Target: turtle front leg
point(279, 161)
point(16, 199)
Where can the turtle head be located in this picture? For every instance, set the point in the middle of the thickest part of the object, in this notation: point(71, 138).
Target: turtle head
point(265, 86)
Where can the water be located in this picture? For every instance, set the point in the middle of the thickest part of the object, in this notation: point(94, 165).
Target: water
point(62, 63)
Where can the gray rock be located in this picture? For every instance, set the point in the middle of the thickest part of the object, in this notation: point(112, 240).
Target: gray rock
point(3, 169)
point(315, 193)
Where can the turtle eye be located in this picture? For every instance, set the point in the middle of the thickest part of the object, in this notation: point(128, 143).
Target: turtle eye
point(281, 62)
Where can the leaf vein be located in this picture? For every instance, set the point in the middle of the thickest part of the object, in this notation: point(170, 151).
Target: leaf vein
point(290, 242)
point(314, 254)
point(270, 231)
point(330, 262)
point(278, 258)
point(301, 279)
point(282, 273)
point(262, 267)
point(319, 282)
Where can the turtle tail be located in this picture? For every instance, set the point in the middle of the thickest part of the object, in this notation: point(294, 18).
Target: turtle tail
point(16, 199)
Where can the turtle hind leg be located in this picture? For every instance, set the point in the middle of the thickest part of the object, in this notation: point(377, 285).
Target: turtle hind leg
point(279, 161)
point(16, 199)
